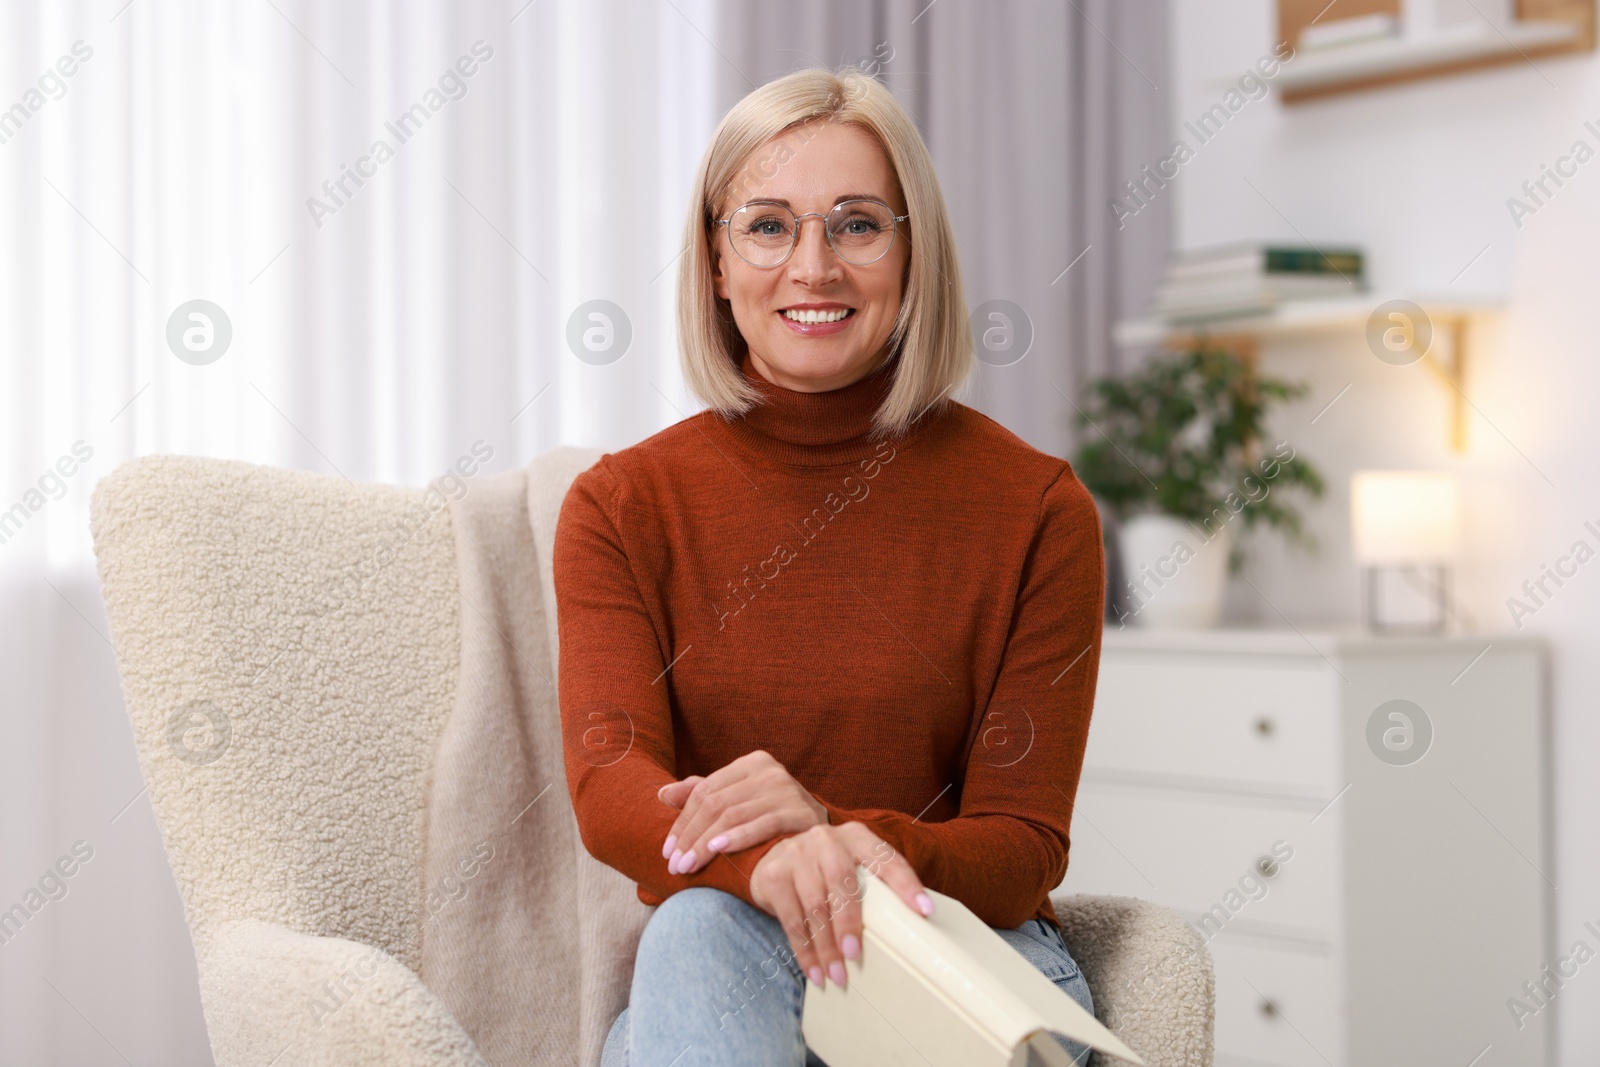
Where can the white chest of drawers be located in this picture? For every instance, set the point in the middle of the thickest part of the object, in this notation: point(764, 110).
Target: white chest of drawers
point(1362, 904)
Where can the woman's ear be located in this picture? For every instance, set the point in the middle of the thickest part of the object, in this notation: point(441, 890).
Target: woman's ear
point(719, 276)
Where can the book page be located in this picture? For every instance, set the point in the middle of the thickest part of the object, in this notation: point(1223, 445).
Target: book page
point(944, 989)
point(1051, 1008)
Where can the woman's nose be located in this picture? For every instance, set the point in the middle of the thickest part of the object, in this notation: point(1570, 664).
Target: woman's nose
point(813, 255)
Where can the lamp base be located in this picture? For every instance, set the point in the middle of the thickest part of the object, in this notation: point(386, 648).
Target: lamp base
point(1407, 599)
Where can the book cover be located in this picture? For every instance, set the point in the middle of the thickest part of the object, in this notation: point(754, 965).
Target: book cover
point(942, 991)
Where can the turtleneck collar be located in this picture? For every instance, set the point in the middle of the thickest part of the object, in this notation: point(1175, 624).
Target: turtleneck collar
point(812, 429)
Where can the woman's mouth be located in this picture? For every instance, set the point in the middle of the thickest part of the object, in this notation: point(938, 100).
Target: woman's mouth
point(815, 322)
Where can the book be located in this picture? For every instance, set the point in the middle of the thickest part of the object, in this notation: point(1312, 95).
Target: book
point(1266, 259)
point(1242, 296)
point(942, 991)
point(1287, 285)
point(1284, 283)
point(1249, 279)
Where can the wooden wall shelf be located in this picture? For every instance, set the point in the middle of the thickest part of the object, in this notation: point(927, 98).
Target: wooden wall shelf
point(1542, 28)
point(1292, 318)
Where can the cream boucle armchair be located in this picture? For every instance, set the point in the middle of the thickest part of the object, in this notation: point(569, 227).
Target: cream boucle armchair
point(287, 678)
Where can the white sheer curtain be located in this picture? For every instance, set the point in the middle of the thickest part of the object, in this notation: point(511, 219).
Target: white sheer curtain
point(377, 342)
point(378, 334)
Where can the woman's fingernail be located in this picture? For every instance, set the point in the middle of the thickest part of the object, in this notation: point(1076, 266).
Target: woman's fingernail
point(666, 849)
point(852, 947)
point(816, 975)
point(836, 972)
point(924, 904)
point(672, 861)
point(688, 862)
point(717, 843)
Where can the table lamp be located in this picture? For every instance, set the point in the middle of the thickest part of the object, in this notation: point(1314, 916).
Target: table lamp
point(1406, 530)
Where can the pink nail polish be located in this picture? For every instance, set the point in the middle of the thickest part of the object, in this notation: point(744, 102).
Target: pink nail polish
point(718, 843)
point(925, 903)
point(816, 975)
point(851, 946)
point(688, 862)
point(666, 849)
point(672, 861)
point(836, 972)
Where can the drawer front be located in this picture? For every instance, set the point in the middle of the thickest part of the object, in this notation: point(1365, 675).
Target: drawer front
point(1276, 1007)
point(1271, 724)
point(1203, 856)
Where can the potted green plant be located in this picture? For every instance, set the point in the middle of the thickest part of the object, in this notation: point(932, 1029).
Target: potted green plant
point(1176, 453)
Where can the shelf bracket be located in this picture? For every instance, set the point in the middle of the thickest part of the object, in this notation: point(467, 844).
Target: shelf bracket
point(1450, 367)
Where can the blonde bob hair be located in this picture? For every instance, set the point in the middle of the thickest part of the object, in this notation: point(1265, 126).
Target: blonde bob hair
point(930, 338)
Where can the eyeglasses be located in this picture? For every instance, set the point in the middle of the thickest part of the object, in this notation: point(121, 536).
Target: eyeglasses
point(859, 231)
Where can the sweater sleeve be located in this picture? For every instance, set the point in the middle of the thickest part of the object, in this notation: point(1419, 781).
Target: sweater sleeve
point(1006, 849)
point(616, 720)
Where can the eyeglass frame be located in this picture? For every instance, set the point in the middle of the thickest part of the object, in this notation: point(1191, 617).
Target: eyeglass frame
point(799, 222)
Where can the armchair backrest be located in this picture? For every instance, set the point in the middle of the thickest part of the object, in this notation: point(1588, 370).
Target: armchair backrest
point(288, 645)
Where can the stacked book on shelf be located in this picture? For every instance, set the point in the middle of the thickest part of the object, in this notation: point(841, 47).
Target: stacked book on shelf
point(1254, 279)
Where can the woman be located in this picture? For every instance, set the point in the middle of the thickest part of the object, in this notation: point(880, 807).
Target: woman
point(836, 619)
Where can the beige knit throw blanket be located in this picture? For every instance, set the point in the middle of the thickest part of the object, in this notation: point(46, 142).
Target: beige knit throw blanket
point(527, 939)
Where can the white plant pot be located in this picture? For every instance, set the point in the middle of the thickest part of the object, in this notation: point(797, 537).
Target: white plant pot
point(1175, 578)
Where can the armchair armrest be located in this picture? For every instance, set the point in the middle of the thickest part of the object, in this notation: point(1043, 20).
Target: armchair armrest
point(276, 996)
point(1149, 972)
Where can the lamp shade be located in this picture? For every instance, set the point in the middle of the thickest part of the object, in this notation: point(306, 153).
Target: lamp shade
point(1400, 517)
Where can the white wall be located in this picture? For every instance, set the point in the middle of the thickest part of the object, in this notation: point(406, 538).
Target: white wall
point(1419, 175)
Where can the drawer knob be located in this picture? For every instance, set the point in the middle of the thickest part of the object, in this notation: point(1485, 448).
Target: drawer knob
point(1269, 1008)
point(1267, 866)
point(1264, 726)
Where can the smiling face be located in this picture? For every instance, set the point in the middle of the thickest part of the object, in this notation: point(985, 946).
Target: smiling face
point(822, 164)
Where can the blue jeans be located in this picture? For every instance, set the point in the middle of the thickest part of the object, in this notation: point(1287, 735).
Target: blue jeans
point(714, 983)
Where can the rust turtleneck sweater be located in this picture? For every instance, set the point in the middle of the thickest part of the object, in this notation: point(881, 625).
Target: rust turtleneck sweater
point(912, 628)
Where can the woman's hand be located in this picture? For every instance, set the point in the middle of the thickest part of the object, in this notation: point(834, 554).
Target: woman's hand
point(809, 883)
point(751, 800)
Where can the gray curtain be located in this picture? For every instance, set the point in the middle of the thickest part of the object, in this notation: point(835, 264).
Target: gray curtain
point(1035, 113)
